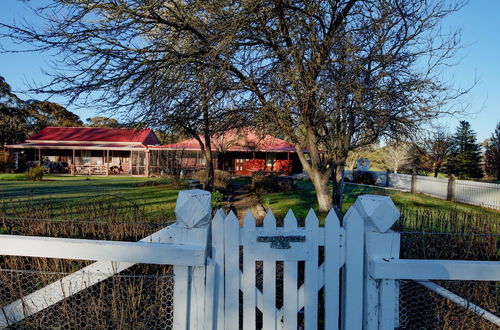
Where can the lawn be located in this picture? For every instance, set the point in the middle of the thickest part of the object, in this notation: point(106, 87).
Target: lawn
point(63, 197)
point(303, 198)
point(12, 177)
point(99, 197)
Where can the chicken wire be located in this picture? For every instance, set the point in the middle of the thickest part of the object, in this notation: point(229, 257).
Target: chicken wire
point(123, 301)
point(422, 308)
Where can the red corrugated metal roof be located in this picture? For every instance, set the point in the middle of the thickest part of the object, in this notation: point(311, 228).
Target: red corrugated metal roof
point(76, 145)
point(94, 134)
point(236, 140)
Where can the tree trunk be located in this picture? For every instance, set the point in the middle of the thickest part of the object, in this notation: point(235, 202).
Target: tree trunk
point(338, 188)
point(209, 181)
point(323, 194)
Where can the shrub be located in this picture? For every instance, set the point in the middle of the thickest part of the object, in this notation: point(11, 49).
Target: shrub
point(221, 180)
point(364, 177)
point(270, 183)
point(266, 202)
point(7, 166)
point(35, 173)
point(217, 199)
point(176, 181)
point(263, 183)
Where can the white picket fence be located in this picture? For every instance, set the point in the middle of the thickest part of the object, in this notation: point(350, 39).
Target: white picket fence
point(217, 261)
point(468, 192)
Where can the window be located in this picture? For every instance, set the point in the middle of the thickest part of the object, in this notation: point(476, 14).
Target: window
point(270, 159)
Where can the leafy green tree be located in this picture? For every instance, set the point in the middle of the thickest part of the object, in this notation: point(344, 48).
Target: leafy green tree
point(44, 113)
point(100, 121)
point(492, 155)
point(12, 115)
point(465, 156)
point(20, 119)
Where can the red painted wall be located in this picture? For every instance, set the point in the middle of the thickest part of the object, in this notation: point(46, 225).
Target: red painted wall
point(254, 165)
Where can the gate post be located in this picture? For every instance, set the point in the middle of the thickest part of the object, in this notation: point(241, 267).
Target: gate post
point(380, 297)
point(191, 295)
point(352, 278)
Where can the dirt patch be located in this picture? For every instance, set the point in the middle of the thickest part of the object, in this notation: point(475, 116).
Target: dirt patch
point(242, 200)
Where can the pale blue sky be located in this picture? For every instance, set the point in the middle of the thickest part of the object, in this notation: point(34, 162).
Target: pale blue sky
point(478, 21)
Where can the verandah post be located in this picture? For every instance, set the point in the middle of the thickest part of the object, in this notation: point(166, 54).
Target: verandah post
point(107, 162)
point(73, 165)
point(146, 170)
point(130, 164)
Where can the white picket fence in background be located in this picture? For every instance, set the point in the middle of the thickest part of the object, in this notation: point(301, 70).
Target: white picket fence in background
point(468, 192)
point(482, 194)
point(216, 261)
point(478, 193)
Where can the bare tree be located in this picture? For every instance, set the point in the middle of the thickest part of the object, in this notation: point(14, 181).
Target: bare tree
point(135, 58)
point(330, 76)
point(364, 152)
point(198, 103)
point(436, 148)
point(398, 155)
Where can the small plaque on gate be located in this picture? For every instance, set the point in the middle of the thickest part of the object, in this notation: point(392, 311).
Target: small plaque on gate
point(281, 242)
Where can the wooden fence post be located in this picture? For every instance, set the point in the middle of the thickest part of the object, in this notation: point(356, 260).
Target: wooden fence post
point(193, 212)
point(413, 188)
point(450, 195)
point(380, 297)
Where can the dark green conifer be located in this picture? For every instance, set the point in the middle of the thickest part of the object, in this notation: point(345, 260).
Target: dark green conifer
point(465, 156)
point(492, 155)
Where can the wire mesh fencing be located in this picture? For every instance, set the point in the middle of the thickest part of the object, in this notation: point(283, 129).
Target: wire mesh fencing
point(140, 297)
point(456, 236)
point(137, 299)
point(423, 308)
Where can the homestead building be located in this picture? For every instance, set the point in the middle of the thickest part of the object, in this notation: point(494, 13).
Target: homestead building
point(87, 150)
point(241, 152)
point(109, 151)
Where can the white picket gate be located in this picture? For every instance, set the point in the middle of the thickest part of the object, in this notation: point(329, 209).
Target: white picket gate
point(229, 276)
point(290, 245)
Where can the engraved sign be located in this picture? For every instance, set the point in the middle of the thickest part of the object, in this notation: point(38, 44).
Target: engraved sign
point(281, 242)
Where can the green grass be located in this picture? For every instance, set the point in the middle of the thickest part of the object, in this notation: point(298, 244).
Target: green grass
point(304, 198)
point(61, 193)
point(58, 194)
point(12, 177)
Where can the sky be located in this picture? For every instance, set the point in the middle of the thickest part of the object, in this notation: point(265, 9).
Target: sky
point(478, 59)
